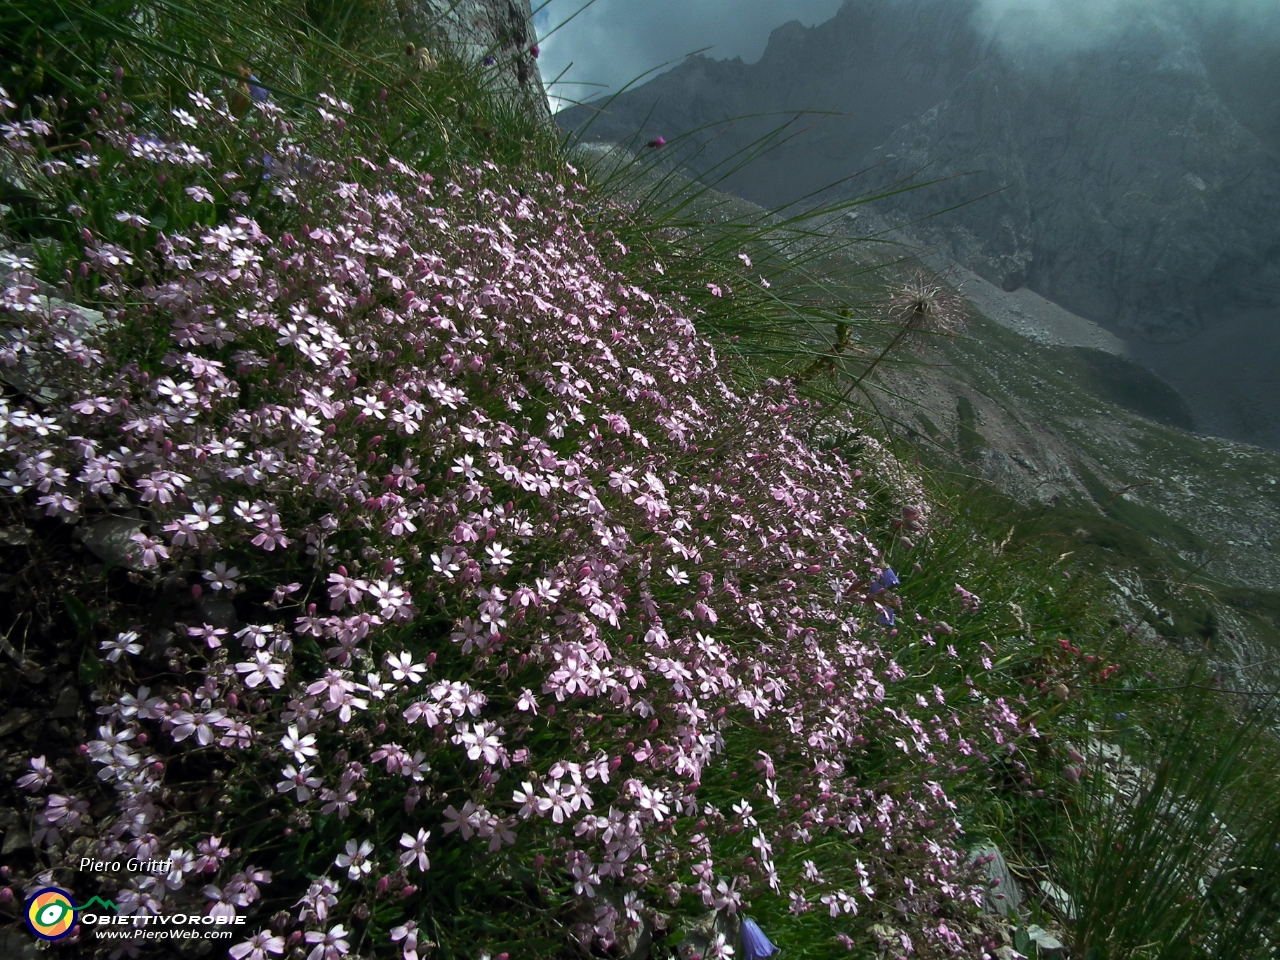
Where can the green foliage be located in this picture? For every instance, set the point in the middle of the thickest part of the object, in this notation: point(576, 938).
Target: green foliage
point(1135, 388)
point(1132, 871)
point(970, 441)
point(1183, 863)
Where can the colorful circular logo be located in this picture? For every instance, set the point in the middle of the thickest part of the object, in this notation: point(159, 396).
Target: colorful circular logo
point(51, 913)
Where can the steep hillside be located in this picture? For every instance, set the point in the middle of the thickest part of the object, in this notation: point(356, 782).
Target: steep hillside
point(1135, 184)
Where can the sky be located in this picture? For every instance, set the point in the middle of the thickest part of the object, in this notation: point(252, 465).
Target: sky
point(612, 42)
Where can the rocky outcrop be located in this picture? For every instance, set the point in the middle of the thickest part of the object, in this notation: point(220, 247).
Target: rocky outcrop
point(1116, 183)
point(479, 29)
point(1135, 183)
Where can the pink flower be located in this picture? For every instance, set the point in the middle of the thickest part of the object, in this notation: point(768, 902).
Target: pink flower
point(416, 849)
point(40, 777)
point(258, 946)
point(328, 946)
point(407, 932)
point(355, 859)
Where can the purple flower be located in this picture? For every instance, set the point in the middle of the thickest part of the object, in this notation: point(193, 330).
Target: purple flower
point(888, 579)
point(886, 617)
point(657, 142)
point(489, 61)
point(256, 91)
point(755, 945)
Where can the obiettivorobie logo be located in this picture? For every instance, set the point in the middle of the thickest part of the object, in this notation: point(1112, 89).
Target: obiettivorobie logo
point(51, 913)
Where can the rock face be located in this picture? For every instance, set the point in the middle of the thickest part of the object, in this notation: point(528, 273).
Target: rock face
point(1135, 182)
point(502, 29)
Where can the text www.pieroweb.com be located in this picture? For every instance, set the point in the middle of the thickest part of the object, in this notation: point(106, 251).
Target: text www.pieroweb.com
point(139, 933)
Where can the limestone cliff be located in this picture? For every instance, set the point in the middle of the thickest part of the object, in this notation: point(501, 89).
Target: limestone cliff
point(501, 29)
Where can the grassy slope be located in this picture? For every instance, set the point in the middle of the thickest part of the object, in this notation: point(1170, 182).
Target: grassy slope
point(1039, 594)
point(1192, 517)
point(1178, 526)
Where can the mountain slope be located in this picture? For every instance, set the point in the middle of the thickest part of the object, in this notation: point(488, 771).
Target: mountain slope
point(1117, 181)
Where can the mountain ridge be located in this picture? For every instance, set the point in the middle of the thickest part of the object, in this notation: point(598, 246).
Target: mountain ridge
point(1116, 181)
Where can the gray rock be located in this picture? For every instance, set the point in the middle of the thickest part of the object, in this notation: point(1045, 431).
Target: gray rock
point(1002, 895)
point(15, 719)
point(700, 935)
point(34, 374)
point(502, 29)
point(1060, 899)
point(15, 838)
point(17, 944)
point(217, 612)
point(1048, 947)
point(67, 705)
point(14, 536)
point(110, 541)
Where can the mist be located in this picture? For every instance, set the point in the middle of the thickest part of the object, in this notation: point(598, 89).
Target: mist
point(1047, 26)
point(613, 42)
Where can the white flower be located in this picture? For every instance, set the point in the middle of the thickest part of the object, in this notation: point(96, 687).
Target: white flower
point(527, 702)
point(222, 577)
point(415, 849)
point(328, 946)
point(122, 644)
point(262, 668)
point(301, 747)
point(499, 556)
point(298, 779)
point(258, 946)
point(403, 668)
point(40, 776)
point(355, 859)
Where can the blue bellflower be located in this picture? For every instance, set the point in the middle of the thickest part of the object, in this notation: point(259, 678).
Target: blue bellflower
point(887, 581)
point(755, 945)
point(257, 92)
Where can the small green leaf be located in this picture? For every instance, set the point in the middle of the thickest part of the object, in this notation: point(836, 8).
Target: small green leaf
point(90, 667)
point(79, 615)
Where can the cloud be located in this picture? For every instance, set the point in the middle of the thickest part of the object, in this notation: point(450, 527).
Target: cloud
point(612, 42)
point(1066, 25)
